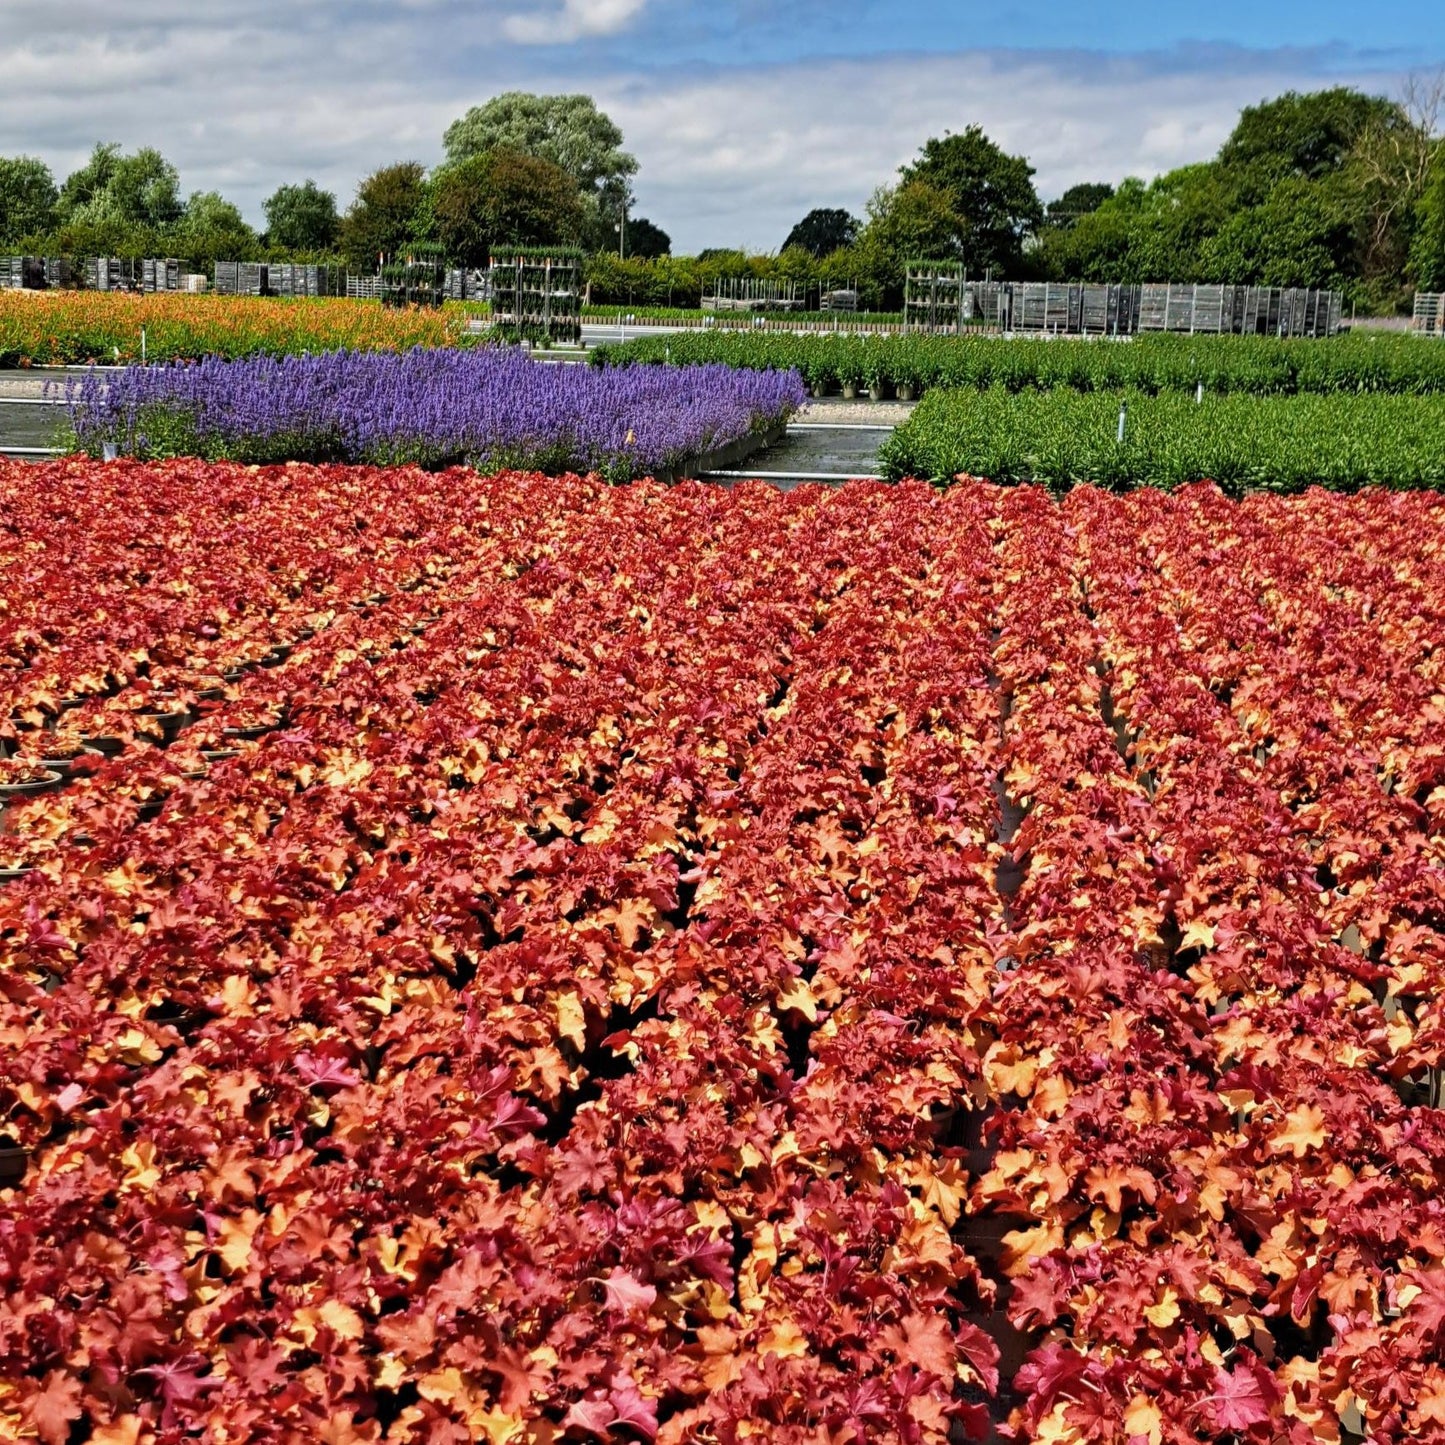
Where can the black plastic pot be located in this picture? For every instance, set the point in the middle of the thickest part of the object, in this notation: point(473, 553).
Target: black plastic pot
point(9, 792)
point(13, 1163)
point(168, 724)
point(259, 731)
point(106, 744)
point(64, 765)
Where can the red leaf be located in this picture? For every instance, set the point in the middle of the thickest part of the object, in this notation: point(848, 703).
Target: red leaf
point(1243, 1397)
point(625, 1292)
point(1428, 1307)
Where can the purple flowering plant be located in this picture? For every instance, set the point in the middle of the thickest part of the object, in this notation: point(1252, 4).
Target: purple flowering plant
point(493, 408)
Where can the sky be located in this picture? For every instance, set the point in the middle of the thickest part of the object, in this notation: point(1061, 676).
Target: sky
point(743, 114)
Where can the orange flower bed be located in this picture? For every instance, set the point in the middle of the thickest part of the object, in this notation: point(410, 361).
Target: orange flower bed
point(67, 328)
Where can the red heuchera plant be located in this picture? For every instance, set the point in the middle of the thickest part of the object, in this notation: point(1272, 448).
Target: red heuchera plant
point(684, 965)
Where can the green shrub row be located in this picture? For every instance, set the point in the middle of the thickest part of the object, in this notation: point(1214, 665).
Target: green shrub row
point(1275, 443)
point(1261, 365)
point(740, 318)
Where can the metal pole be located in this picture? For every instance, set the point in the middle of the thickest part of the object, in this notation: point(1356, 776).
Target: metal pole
point(1123, 416)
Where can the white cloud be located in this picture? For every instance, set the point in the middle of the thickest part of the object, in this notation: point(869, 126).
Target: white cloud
point(243, 100)
point(737, 158)
point(576, 20)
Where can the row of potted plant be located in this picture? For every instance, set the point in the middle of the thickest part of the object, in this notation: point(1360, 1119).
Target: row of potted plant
point(707, 964)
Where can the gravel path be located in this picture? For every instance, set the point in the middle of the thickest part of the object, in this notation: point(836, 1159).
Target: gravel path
point(32, 388)
point(855, 413)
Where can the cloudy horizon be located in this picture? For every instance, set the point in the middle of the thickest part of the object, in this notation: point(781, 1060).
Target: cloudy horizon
point(742, 118)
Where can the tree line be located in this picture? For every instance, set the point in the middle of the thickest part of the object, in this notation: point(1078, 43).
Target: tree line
point(1333, 188)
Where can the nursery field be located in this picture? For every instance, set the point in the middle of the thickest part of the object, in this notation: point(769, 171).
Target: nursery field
point(75, 328)
point(1258, 365)
point(547, 962)
point(1280, 443)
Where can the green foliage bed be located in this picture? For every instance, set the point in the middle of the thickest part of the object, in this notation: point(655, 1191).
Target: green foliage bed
point(1277, 443)
point(1260, 365)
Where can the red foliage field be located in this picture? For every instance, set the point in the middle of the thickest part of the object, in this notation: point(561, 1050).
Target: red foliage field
point(542, 962)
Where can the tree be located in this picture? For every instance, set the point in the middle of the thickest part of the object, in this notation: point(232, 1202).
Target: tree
point(139, 190)
point(1300, 136)
point(211, 211)
point(823, 231)
point(302, 218)
point(27, 198)
point(567, 130)
point(646, 241)
point(1142, 232)
point(213, 229)
point(1427, 251)
point(908, 221)
point(501, 197)
point(990, 192)
point(915, 219)
point(1304, 233)
point(383, 218)
point(1080, 200)
point(1391, 164)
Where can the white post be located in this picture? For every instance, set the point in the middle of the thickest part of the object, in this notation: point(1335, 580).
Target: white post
point(142, 346)
point(1199, 395)
point(1123, 415)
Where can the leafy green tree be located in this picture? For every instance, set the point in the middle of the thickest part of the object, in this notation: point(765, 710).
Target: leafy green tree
point(905, 222)
point(1079, 200)
point(645, 240)
point(1142, 233)
point(301, 218)
point(142, 189)
point(990, 192)
point(1298, 136)
point(501, 197)
point(822, 231)
point(1304, 233)
point(27, 198)
point(1427, 251)
point(383, 219)
point(567, 130)
point(211, 211)
point(212, 229)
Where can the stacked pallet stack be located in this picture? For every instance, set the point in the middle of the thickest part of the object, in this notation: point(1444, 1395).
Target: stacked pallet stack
point(162, 274)
point(112, 273)
point(22, 273)
point(253, 279)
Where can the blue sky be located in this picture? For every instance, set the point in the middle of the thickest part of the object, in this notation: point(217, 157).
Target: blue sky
point(1400, 31)
point(743, 113)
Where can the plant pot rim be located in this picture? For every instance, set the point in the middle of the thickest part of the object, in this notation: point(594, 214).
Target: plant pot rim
point(38, 785)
